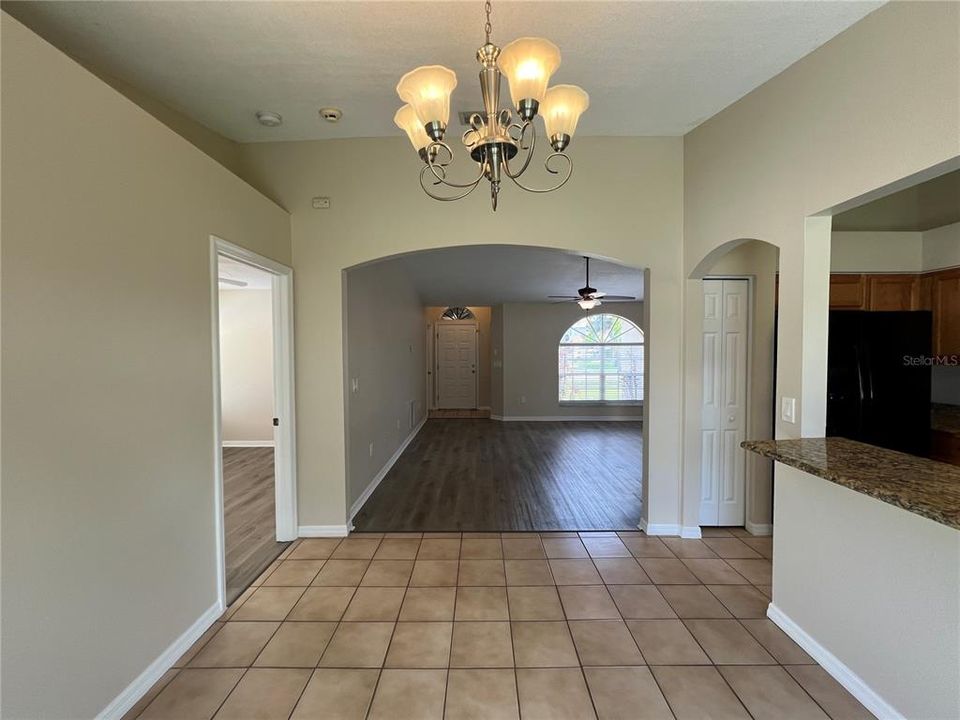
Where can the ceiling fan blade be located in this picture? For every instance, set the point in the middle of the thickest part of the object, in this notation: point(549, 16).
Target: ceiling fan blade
point(619, 297)
point(598, 294)
point(563, 297)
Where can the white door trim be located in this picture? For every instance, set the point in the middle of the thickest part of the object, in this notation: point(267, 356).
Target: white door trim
point(285, 436)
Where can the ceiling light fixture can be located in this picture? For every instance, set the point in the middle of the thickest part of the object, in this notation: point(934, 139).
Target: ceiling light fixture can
point(494, 138)
point(269, 119)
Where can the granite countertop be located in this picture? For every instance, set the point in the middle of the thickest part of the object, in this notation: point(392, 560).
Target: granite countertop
point(924, 487)
point(945, 418)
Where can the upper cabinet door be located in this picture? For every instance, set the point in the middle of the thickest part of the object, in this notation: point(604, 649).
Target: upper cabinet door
point(847, 292)
point(945, 301)
point(893, 292)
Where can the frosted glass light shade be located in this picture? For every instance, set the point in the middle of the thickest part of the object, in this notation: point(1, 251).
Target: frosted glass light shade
point(528, 63)
point(427, 89)
point(562, 107)
point(406, 119)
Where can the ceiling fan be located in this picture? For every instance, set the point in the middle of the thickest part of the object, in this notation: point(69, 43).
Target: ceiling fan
point(588, 297)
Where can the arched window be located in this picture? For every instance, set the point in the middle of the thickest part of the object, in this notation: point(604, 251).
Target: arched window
point(457, 313)
point(601, 361)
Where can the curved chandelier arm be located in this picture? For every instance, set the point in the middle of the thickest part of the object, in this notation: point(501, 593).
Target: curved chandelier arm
point(438, 169)
point(546, 164)
point(529, 148)
point(470, 188)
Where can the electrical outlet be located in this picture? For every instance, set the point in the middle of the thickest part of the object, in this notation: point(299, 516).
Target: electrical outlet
point(523, 399)
point(371, 449)
point(788, 409)
point(355, 384)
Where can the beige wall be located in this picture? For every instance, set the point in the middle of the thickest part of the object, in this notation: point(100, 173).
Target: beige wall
point(876, 252)
point(941, 247)
point(108, 548)
point(878, 103)
point(903, 252)
point(874, 585)
point(484, 350)
point(385, 354)
point(623, 203)
point(246, 365)
point(531, 337)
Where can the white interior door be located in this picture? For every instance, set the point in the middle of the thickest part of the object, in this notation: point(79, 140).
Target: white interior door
point(456, 364)
point(726, 326)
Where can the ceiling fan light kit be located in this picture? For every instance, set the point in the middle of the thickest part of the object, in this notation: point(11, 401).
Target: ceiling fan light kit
point(494, 137)
point(588, 297)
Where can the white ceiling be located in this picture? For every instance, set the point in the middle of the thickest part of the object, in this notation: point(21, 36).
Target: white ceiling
point(255, 278)
point(494, 274)
point(651, 68)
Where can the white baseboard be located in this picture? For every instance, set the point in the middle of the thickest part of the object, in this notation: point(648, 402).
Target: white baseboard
point(365, 495)
point(155, 670)
point(692, 532)
point(758, 528)
point(853, 683)
point(567, 418)
point(659, 529)
point(248, 443)
point(309, 531)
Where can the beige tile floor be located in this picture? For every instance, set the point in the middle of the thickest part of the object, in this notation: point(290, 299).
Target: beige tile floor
point(490, 626)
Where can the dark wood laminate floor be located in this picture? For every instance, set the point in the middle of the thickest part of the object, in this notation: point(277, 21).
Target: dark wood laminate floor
point(249, 516)
point(485, 475)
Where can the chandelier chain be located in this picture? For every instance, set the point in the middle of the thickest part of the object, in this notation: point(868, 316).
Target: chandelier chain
point(488, 28)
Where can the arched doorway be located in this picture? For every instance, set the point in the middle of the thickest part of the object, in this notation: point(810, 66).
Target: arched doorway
point(545, 461)
point(724, 485)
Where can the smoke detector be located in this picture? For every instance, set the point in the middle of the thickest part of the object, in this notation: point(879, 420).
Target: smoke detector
point(269, 119)
point(331, 115)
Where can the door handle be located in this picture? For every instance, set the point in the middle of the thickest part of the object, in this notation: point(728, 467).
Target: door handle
point(730, 418)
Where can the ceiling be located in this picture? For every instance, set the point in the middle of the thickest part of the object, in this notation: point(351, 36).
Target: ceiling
point(651, 68)
point(255, 278)
point(494, 274)
point(930, 204)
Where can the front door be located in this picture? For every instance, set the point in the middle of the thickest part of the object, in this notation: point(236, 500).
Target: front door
point(456, 364)
point(723, 409)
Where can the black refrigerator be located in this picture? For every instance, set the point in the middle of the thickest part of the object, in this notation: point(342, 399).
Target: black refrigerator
point(878, 378)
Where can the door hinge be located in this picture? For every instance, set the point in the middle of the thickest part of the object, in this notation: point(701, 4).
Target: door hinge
point(276, 422)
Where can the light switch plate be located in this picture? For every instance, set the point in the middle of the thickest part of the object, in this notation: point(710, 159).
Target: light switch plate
point(788, 409)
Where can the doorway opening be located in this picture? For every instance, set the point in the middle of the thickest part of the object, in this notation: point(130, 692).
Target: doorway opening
point(486, 390)
point(254, 451)
point(458, 360)
point(733, 312)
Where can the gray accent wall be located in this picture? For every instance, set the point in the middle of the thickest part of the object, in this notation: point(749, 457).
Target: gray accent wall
point(385, 341)
point(531, 338)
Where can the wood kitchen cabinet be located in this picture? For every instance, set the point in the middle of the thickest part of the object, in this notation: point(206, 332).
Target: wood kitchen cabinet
point(945, 304)
point(937, 291)
point(892, 292)
point(848, 291)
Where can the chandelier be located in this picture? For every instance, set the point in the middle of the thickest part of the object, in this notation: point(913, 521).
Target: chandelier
point(494, 138)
